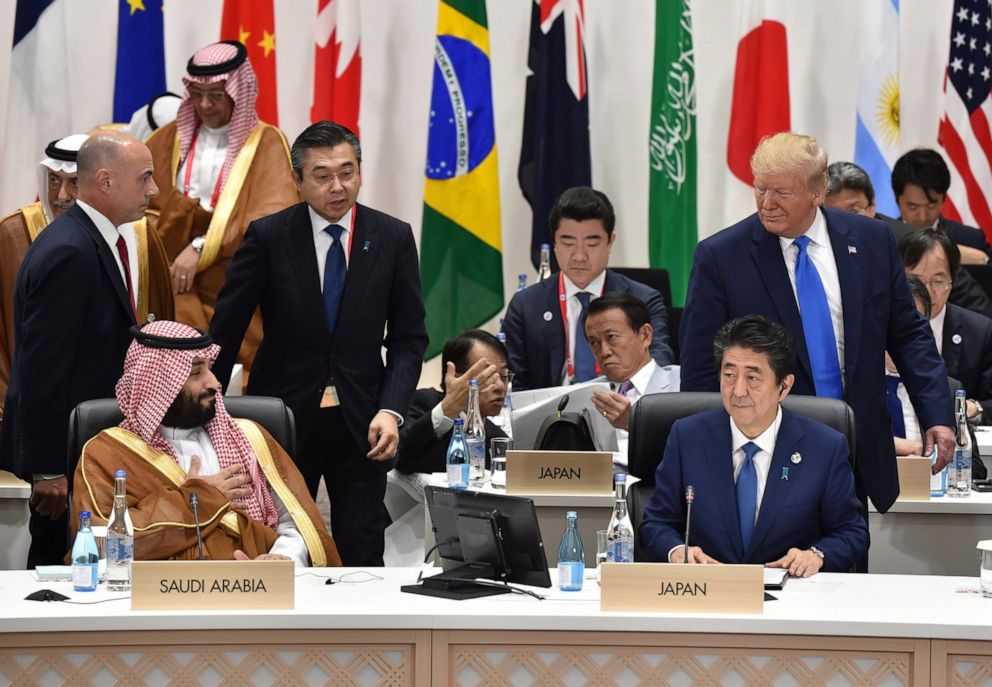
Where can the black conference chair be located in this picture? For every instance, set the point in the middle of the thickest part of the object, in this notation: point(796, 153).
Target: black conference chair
point(657, 278)
point(651, 421)
point(89, 418)
point(983, 275)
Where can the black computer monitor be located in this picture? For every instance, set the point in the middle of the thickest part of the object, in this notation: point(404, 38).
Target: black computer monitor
point(487, 536)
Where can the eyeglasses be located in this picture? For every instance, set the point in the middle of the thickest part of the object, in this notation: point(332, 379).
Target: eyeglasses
point(212, 96)
point(939, 285)
point(344, 176)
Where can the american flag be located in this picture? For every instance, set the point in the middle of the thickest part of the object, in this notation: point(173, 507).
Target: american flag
point(964, 131)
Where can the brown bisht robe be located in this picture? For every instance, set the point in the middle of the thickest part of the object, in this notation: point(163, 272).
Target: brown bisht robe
point(259, 184)
point(20, 228)
point(158, 500)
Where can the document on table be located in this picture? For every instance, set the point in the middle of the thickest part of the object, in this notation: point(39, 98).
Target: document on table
point(532, 407)
point(775, 577)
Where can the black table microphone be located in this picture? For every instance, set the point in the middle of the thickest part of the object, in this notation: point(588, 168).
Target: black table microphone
point(690, 496)
point(194, 501)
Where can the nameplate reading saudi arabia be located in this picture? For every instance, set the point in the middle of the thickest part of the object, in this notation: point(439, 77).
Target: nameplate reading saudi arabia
point(680, 588)
point(223, 585)
point(559, 472)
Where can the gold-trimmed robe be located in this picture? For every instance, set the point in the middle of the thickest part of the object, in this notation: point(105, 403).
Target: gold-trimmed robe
point(158, 501)
point(260, 183)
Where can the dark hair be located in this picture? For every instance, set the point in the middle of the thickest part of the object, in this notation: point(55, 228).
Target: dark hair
point(582, 203)
point(923, 167)
point(322, 135)
point(920, 292)
point(847, 175)
point(761, 335)
point(914, 245)
point(456, 350)
point(632, 306)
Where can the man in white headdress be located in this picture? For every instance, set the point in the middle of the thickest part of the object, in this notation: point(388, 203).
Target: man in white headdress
point(218, 167)
point(57, 189)
point(149, 118)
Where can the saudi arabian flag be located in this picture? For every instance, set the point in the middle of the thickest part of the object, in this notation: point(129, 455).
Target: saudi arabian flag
point(672, 146)
point(461, 260)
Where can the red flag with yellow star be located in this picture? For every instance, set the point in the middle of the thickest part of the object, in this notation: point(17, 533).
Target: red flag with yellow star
point(253, 23)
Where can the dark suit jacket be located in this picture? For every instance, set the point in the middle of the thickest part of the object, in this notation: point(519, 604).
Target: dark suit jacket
point(276, 270)
point(741, 271)
point(965, 291)
point(967, 352)
point(72, 319)
point(537, 345)
point(420, 449)
point(964, 235)
point(815, 506)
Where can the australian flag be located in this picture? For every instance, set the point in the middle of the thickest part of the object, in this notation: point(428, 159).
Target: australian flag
point(555, 151)
point(140, 56)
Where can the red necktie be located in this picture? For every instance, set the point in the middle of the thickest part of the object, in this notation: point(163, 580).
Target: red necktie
point(122, 251)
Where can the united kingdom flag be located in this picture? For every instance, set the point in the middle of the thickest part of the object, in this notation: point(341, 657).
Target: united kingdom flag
point(555, 151)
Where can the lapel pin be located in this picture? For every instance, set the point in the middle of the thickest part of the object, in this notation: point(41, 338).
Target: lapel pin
point(785, 474)
point(796, 459)
point(852, 250)
point(956, 338)
point(365, 246)
point(547, 315)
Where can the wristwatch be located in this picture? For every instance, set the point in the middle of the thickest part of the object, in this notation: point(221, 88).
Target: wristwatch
point(197, 244)
point(977, 417)
point(816, 551)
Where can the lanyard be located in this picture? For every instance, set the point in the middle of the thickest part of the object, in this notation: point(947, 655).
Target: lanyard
point(189, 171)
point(351, 231)
point(563, 304)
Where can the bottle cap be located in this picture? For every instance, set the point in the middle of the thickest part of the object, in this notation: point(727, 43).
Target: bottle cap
point(474, 382)
point(619, 478)
point(570, 515)
point(545, 246)
point(960, 393)
point(523, 275)
point(84, 514)
point(120, 473)
point(459, 422)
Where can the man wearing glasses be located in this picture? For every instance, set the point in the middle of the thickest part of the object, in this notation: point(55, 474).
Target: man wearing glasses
point(964, 338)
point(218, 168)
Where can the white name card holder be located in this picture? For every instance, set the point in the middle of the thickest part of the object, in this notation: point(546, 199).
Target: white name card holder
point(212, 585)
point(559, 472)
point(681, 588)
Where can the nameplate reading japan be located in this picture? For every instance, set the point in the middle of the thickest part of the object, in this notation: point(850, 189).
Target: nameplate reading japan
point(680, 588)
point(199, 585)
point(559, 472)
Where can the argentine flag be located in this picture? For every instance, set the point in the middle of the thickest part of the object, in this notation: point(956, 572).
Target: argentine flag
point(876, 142)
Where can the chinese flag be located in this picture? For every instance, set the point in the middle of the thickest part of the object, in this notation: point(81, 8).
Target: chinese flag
point(253, 23)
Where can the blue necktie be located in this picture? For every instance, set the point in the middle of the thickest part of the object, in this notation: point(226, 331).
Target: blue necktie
point(895, 406)
point(817, 326)
point(335, 272)
point(747, 494)
point(585, 362)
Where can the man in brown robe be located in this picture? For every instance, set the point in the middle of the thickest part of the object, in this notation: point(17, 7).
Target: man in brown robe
point(177, 440)
point(57, 190)
point(217, 168)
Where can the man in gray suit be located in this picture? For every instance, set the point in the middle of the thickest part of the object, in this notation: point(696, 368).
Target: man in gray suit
point(618, 327)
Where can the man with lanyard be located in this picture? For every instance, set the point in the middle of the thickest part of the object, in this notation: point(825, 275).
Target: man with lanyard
point(58, 185)
point(545, 324)
point(218, 168)
point(178, 440)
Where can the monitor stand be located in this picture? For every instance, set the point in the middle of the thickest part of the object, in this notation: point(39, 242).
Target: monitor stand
point(459, 583)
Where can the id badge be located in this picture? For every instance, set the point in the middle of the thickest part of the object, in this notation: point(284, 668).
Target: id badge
point(330, 398)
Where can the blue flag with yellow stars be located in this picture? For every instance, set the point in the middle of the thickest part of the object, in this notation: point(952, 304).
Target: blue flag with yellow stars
point(140, 72)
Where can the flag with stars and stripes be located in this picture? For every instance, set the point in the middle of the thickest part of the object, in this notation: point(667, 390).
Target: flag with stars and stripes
point(964, 132)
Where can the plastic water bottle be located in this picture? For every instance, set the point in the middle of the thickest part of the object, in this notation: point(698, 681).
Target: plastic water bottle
point(120, 539)
point(522, 281)
point(457, 461)
point(571, 556)
point(85, 557)
point(544, 271)
point(620, 533)
point(938, 482)
point(959, 471)
point(475, 437)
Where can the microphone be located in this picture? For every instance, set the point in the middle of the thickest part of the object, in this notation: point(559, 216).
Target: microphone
point(194, 501)
point(690, 496)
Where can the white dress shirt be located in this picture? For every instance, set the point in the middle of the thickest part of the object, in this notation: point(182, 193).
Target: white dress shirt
point(639, 381)
point(110, 233)
point(937, 327)
point(908, 412)
point(196, 442)
point(208, 160)
point(322, 240)
point(573, 309)
point(822, 255)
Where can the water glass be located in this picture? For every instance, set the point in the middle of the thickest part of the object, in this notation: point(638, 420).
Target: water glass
point(498, 448)
point(600, 548)
point(985, 573)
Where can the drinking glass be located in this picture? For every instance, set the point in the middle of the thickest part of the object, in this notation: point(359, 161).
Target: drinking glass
point(600, 548)
point(498, 448)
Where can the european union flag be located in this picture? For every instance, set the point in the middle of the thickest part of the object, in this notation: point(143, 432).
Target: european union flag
point(140, 56)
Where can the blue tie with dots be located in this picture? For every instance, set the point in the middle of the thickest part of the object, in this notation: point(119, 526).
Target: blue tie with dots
point(747, 493)
point(818, 329)
point(335, 272)
point(585, 363)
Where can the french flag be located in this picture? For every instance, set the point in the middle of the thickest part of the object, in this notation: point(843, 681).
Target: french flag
point(554, 155)
point(337, 73)
point(38, 109)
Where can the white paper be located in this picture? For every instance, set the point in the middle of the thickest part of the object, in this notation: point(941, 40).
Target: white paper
point(532, 407)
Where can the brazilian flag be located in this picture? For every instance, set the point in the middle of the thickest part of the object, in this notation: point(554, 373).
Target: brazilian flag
point(461, 259)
